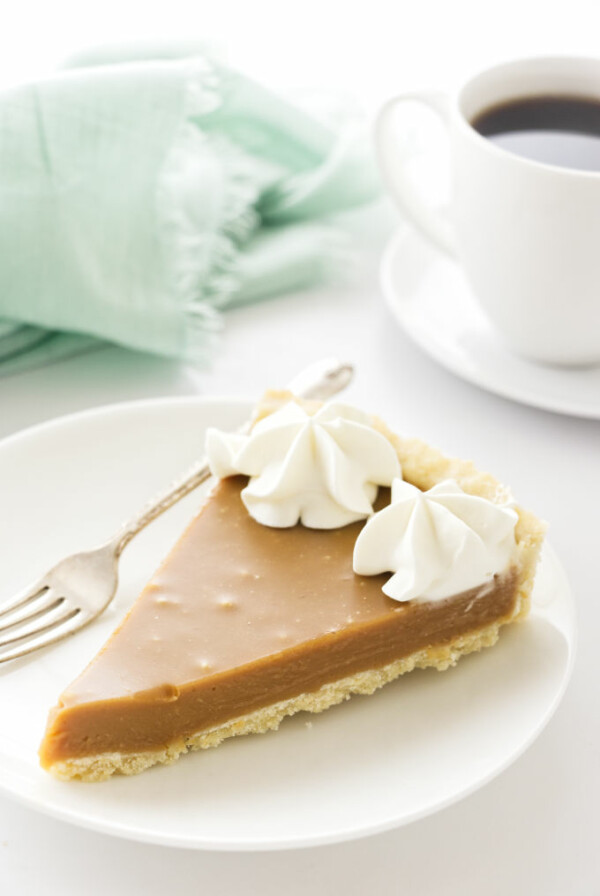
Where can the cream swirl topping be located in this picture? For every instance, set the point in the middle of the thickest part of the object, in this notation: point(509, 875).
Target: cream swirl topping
point(436, 543)
point(322, 470)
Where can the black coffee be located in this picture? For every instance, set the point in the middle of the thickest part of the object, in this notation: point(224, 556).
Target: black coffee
point(557, 130)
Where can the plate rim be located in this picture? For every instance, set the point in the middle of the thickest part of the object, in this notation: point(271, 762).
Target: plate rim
point(125, 405)
point(74, 815)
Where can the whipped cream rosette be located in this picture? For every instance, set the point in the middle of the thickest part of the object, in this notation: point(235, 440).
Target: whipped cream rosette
point(437, 543)
point(323, 470)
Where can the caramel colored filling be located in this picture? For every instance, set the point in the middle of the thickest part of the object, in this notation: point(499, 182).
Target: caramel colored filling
point(241, 616)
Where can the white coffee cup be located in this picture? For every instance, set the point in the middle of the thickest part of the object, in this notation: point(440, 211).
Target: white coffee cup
point(527, 234)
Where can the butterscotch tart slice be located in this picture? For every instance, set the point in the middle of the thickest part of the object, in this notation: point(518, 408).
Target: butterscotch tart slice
point(254, 616)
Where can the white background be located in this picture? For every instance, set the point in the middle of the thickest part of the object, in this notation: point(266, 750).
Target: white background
point(534, 829)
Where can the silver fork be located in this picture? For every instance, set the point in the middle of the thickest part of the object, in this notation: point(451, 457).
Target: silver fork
point(80, 587)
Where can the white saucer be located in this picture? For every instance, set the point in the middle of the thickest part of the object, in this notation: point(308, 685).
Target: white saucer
point(431, 300)
point(368, 765)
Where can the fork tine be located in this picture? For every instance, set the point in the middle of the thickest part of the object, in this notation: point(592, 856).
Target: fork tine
point(43, 637)
point(38, 612)
point(23, 599)
point(45, 619)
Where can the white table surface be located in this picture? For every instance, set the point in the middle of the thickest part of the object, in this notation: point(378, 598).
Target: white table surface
point(533, 829)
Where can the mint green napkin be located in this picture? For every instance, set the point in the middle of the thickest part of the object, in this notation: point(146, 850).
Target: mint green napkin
point(139, 198)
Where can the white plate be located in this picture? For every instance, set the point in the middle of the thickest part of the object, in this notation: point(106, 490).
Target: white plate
point(371, 764)
point(428, 295)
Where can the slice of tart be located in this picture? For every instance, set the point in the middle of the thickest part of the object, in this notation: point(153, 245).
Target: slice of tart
point(254, 616)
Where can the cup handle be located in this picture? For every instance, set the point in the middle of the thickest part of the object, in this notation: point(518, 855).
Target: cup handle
point(432, 222)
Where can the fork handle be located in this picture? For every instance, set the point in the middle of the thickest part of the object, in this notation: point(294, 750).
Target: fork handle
point(182, 487)
point(319, 381)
